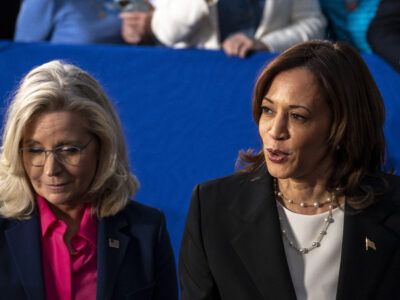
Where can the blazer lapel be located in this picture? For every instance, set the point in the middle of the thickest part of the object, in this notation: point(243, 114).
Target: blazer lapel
point(361, 269)
point(259, 244)
point(112, 245)
point(24, 242)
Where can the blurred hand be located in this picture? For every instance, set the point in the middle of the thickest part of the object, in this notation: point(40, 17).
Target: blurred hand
point(241, 45)
point(136, 26)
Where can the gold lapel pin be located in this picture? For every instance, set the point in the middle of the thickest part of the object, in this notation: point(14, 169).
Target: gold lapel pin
point(113, 243)
point(369, 244)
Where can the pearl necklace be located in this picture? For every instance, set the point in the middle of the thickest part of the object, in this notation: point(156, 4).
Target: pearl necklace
point(302, 204)
point(327, 221)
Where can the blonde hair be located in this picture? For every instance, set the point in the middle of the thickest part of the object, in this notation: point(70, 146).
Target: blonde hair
point(57, 86)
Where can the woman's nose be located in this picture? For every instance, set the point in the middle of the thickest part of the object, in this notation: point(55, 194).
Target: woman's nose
point(52, 166)
point(279, 128)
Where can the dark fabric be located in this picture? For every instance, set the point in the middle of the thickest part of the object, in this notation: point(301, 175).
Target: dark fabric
point(384, 32)
point(236, 16)
point(232, 247)
point(8, 17)
point(141, 267)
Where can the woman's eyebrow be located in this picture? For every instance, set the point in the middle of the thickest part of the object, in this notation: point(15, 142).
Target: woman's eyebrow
point(31, 142)
point(269, 100)
point(291, 106)
point(60, 143)
point(300, 106)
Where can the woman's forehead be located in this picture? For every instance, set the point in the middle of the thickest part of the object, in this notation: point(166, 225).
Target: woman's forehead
point(296, 86)
point(61, 124)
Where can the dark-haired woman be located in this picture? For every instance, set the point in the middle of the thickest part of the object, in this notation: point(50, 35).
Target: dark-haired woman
point(310, 216)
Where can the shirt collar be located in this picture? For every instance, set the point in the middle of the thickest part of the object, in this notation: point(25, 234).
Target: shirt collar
point(46, 215)
point(87, 229)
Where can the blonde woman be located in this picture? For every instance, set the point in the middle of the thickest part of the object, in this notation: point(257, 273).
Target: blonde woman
point(68, 229)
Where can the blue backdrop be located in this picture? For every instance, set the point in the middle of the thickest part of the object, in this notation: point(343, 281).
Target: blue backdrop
point(185, 113)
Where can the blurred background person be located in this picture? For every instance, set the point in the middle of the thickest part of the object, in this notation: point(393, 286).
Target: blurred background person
point(348, 21)
point(69, 22)
point(311, 215)
point(384, 32)
point(238, 27)
point(136, 22)
point(68, 229)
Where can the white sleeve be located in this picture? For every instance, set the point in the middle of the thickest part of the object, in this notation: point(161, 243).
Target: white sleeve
point(304, 22)
point(35, 21)
point(174, 21)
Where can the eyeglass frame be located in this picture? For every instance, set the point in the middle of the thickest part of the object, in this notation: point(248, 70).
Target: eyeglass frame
point(45, 151)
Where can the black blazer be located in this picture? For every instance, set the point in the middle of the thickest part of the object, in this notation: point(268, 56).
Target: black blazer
point(232, 246)
point(141, 267)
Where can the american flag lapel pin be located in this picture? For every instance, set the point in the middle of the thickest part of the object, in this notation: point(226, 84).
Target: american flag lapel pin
point(113, 243)
point(369, 244)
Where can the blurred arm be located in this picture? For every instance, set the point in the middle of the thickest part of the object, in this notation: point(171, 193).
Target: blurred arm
point(175, 20)
point(305, 22)
point(35, 21)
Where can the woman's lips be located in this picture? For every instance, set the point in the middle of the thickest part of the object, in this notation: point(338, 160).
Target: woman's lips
point(277, 156)
point(57, 187)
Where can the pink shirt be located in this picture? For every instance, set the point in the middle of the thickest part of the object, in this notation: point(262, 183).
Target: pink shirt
point(68, 276)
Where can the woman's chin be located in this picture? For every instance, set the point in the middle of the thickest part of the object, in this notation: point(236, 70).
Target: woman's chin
point(278, 172)
point(60, 200)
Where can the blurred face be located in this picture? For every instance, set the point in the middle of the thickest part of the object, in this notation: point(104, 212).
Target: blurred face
point(60, 183)
point(295, 126)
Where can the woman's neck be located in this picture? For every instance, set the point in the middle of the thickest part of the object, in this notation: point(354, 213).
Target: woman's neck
point(305, 196)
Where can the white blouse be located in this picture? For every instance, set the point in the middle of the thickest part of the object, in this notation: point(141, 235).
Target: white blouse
point(315, 274)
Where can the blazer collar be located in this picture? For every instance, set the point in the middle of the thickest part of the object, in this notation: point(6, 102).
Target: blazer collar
point(112, 244)
point(25, 246)
point(259, 243)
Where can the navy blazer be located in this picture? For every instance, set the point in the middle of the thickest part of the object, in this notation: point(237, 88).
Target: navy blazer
point(141, 267)
point(232, 247)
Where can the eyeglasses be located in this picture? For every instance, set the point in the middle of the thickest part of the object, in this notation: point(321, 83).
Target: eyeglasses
point(70, 155)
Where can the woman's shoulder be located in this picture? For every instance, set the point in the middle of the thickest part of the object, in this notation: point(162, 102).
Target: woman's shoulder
point(392, 179)
point(241, 192)
point(386, 207)
point(142, 213)
point(393, 189)
point(5, 223)
point(227, 180)
point(138, 218)
point(235, 181)
point(388, 210)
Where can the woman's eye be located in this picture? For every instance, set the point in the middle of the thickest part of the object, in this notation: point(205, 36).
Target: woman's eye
point(266, 110)
point(35, 150)
point(298, 117)
point(68, 150)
